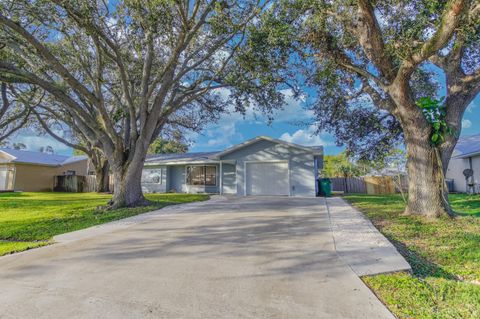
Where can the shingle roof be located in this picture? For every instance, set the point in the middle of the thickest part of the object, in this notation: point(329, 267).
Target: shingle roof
point(205, 157)
point(316, 150)
point(21, 156)
point(467, 145)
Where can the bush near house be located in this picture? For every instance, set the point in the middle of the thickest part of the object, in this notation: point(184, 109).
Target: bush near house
point(444, 255)
point(29, 220)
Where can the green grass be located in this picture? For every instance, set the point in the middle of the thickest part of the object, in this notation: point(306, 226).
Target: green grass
point(444, 255)
point(29, 220)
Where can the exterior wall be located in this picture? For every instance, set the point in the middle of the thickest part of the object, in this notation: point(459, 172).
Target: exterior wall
point(301, 165)
point(455, 172)
point(476, 169)
point(34, 178)
point(39, 178)
point(154, 179)
point(229, 179)
point(176, 179)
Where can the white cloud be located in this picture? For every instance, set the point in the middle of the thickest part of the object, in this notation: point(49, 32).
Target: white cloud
point(34, 143)
point(294, 109)
point(472, 106)
point(466, 123)
point(306, 137)
point(224, 132)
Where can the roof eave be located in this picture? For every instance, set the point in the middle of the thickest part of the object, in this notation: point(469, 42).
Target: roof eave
point(9, 155)
point(472, 154)
point(38, 164)
point(74, 161)
point(189, 162)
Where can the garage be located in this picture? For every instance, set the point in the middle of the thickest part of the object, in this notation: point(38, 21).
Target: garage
point(267, 178)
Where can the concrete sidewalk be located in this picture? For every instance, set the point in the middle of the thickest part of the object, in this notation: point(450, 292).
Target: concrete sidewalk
point(359, 243)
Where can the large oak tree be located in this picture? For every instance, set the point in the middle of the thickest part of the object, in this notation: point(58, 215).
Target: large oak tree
point(372, 62)
point(387, 46)
point(122, 71)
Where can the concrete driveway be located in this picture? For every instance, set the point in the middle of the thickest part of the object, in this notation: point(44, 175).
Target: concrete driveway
point(235, 258)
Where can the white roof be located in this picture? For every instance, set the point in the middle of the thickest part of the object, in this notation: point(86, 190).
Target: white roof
point(467, 146)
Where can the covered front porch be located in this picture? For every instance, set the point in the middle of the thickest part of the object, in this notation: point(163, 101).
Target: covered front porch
point(211, 176)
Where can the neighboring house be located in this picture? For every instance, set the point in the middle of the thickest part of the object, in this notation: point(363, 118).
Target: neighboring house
point(466, 155)
point(34, 171)
point(260, 166)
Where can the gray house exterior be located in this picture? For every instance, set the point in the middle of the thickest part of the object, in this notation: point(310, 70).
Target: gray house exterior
point(260, 166)
point(466, 155)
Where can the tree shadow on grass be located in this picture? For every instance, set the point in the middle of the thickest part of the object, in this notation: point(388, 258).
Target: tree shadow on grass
point(421, 267)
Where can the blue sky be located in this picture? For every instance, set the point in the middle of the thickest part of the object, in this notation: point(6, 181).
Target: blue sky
point(234, 128)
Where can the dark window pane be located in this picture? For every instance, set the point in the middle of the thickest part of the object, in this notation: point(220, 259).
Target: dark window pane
point(211, 175)
point(195, 175)
point(201, 175)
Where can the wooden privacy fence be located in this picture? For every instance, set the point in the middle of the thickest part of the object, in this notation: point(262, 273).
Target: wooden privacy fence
point(348, 185)
point(78, 183)
point(370, 184)
point(75, 183)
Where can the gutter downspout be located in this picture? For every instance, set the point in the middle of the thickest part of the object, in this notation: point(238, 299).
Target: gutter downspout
point(315, 173)
point(472, 178)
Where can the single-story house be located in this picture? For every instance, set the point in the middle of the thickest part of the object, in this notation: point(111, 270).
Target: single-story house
point(465, 156)
point(34, 171)
point(260, 166)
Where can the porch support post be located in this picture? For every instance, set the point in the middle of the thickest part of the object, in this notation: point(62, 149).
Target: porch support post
point(315, 173)
point(221, 178)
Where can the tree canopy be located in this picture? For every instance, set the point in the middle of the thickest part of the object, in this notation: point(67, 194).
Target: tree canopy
point(14, 110)
point(374, 65)
point(122, 73)
point(163, 146)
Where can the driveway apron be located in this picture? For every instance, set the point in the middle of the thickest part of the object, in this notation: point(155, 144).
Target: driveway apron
point(253, 257)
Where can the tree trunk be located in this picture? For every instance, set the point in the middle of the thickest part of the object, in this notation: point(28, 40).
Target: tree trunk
point(103, 177)
point(427, 193)
point(127, 177)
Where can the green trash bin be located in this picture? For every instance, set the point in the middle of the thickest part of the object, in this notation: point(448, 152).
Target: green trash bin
point(326, 187)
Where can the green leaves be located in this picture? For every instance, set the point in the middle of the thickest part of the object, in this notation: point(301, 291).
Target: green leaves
point(434, 112)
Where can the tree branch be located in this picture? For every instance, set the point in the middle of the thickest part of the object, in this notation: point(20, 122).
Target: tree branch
point(371, 40)
point(48, 58)
point(58, 138)
point(448, 23)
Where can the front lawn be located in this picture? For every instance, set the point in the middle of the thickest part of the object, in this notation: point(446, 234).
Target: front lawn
point(30, 220)
point(444, 255)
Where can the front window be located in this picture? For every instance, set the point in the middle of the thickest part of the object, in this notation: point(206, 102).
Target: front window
point(202, 175)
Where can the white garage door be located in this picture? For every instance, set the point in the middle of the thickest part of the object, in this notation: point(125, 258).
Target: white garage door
point(267, 178)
